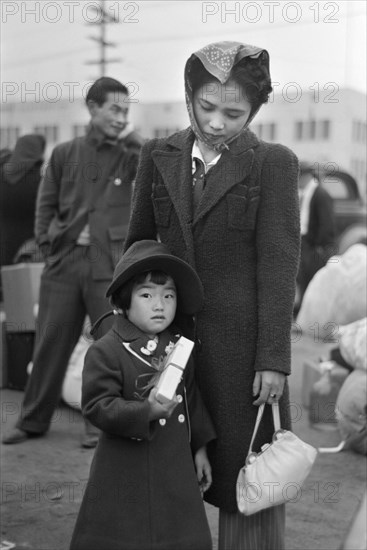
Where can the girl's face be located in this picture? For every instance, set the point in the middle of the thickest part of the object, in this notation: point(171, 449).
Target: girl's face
point(153, 307)
point(221, 110)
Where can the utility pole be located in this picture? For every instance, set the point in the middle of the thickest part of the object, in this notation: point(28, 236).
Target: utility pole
point(104, 19)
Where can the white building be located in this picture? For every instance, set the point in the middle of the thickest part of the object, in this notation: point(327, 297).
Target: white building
point(321, 126)
point(327, 127)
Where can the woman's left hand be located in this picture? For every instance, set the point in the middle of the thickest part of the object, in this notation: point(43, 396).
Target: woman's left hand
point(268, 385)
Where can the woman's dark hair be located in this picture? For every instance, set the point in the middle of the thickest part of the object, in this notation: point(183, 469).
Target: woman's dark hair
point(251, 74)
point(101, 87)
point(122, 297)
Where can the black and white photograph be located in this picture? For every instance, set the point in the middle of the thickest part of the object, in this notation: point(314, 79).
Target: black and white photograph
point(183, 260)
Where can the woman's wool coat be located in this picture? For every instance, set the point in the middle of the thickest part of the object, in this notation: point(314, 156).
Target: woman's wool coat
point(244, 241)
point(142, 491)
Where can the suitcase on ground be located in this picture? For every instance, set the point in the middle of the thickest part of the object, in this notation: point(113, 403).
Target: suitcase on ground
point(313, 370)
point(324, 394)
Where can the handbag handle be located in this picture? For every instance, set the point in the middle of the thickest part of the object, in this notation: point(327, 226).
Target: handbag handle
point(276, 420)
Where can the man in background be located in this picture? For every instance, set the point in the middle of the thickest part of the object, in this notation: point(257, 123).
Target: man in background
point(82, 213)
point(318, 227)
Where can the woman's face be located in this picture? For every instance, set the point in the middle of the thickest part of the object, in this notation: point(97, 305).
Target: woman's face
point(221, 110)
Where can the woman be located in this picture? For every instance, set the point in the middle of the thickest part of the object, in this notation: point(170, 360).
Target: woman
point(241, 233)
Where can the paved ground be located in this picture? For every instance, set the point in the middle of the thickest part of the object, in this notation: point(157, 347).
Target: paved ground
point(43, 479)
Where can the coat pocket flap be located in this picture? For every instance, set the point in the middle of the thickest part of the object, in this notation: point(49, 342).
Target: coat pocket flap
point(162, 210)
point(237, 207)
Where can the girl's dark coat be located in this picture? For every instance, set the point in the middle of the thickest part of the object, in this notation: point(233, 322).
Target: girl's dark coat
point(142, 492)
point(244, 243)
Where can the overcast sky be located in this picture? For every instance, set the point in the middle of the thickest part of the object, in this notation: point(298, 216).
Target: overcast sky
point(45, 45)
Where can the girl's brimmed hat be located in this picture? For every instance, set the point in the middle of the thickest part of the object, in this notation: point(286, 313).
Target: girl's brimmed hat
point(149, 255)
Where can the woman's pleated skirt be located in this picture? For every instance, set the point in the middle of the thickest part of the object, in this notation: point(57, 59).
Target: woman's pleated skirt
point(262, 531)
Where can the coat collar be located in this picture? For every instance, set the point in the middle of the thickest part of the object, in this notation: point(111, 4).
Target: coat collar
point(97, 139)
point(176, 169)
point(139, 342)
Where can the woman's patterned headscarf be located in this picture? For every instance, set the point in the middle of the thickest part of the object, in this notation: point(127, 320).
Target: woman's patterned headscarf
point(219, 59)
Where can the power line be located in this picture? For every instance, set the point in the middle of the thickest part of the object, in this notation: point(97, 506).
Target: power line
point(154, 39)
point(104, 19)
point(46, 58)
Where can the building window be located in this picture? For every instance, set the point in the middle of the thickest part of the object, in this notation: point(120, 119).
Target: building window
point(272, 131)
point(299, 130)
point(50, 133)
point(312, 129)
point(358, 169)
point(9, 136)
point(358, 131)
point(259, 131)
point(265, 131)
point(165, 132)
point(324, 126)
point(354, 130)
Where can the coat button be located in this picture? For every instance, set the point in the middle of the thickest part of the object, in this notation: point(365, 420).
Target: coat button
point(162, 421)
point(181, 418)
point(179, 398)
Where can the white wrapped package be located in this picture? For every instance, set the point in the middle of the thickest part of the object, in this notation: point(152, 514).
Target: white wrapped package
point(175, 366)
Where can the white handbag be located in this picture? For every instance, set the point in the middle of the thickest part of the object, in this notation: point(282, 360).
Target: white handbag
point(276, 474)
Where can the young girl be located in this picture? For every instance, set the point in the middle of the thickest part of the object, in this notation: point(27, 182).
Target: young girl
point(150, 466)
point(234, 216)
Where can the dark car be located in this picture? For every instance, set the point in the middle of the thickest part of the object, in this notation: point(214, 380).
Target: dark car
point(349, 206)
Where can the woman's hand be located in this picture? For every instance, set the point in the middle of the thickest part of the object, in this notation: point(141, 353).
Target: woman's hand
point(160, 410)
point(203, 469)
point(268, 385)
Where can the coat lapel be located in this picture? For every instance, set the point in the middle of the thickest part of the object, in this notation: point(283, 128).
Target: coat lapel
point(233, 167)
point(139, 344)
point(175, 168)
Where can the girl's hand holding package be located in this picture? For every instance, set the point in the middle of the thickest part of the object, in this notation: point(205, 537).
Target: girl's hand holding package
point(160, 410)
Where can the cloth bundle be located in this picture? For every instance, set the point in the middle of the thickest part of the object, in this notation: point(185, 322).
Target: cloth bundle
point(337, 295)
point(353, 344)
